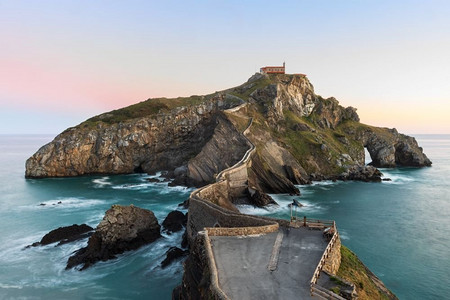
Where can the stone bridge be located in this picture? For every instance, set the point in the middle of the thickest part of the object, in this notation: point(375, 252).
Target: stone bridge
point(252, 257)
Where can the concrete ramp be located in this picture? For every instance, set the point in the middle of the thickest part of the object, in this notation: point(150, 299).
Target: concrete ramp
point(243, 263)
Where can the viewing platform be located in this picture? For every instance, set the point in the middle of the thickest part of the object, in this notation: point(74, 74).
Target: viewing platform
point(282, 264)
point(243, 263)
point(254, 257)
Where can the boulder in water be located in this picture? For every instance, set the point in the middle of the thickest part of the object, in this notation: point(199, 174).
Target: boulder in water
point(172, 254)
point(175, 221)
point(260, 199)
point(123, 228)
point(65, 235)
point(361, 173)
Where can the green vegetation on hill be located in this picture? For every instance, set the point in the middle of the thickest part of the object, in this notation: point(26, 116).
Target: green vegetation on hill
point(163, 105)
point(243, 91)
point(144, 108)
point(353, 270)
point(154, 106)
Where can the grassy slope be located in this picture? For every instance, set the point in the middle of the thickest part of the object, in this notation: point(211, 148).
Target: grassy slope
point(306, 144)
point(144, 108)
point(162, 105)
point(353, 270)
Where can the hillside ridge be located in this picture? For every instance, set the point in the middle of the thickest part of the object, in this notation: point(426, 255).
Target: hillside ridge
point(299, 137)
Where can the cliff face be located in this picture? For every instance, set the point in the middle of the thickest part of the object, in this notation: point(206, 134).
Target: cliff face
point(147, 144)
point(224, 148)
point(298, 135)
point(301, 136)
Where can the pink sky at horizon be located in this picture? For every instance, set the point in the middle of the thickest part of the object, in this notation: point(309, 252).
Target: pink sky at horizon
point(63, 62)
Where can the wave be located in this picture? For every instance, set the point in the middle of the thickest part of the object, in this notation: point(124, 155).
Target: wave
point(343, 235)
point(62, 203)
point(160, 187)
point(396, 177)
point(178, 188)
point(132, 186)
point(282, 208)
point(10, 286)
point(101, 182)
point(253, 210)
point(156, 176)
point(94, 218)
point(324, 183)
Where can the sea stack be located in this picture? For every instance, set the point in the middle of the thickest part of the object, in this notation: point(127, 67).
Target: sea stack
point(123, 228)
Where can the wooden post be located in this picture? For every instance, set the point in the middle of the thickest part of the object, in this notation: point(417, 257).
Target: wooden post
point(304, 221)
point(291, 213)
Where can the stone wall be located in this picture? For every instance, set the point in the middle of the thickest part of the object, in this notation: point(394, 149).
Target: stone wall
point(200, 279)
point(333, 260)
point(217, 193)
point(237, 182)
point(214, 288)
point(204, 214)
point(235, 231)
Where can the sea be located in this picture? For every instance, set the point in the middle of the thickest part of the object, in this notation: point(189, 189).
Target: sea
point(399, 228)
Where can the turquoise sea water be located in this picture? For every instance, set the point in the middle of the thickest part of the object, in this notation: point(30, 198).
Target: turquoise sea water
point(398, 228)
point(38, 273)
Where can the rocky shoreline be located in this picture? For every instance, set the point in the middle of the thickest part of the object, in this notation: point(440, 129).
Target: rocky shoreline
point(296, 137)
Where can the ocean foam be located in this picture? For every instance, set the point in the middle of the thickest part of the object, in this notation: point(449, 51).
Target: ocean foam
point(101, 182)
point(282, 207)
point(130, 186)
point(396, 177)
point(10, 286)
point(344, 235)
point(178, 189)
point(63, 203)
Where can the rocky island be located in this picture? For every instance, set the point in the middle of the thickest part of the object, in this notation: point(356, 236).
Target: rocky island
point(267, 135)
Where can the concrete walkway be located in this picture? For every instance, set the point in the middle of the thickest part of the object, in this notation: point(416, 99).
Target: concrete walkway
point(243, 264)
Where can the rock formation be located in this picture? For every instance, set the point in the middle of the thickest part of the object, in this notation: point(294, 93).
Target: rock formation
point(260, 199)
point(361, 173)
point(65, 235)
point(274, 130)
point(173, 254)
point(150, 143)
point(123, 228)
point(299, 136)
point(175, 221)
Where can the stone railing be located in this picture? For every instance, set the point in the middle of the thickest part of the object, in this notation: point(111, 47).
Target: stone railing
point(216, 291)
point(215, 288)
point(205, 204)
point(317, 290)
point(244, 159)
point(239, 231)
point(205, 209)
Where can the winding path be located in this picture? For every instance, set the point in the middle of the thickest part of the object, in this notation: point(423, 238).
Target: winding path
point(260, 258)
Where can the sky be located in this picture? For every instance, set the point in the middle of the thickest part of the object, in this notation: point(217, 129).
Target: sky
point(62, 62)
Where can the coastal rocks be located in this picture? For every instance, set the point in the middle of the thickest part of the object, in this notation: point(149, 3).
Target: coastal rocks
point(65, 235)
point(293, 93)
point(261, 177)
point(123, 228)
point(173, 254)
point(260, 199)
point(408, 153)
point(361, 173)
point(196, 282)
point(174, 222)
point(388, 148)
point(225, 148)
point(295, 175)
point(145, 144)
point(330, 114)
point(299, 136)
